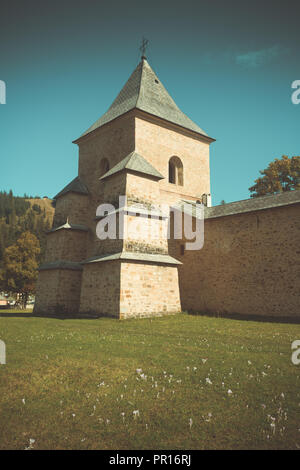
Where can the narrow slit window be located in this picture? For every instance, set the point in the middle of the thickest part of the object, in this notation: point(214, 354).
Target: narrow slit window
point(176, 171)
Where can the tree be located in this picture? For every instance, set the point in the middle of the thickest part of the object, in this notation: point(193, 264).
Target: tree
point(281, 175)
point(20, 265)
point(37, 208)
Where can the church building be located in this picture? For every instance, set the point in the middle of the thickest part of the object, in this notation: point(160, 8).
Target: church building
point(146, 149)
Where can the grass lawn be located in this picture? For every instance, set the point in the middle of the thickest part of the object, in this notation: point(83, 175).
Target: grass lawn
point(148, 384)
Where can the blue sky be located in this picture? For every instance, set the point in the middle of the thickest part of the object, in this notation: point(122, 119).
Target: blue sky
point(228, 65)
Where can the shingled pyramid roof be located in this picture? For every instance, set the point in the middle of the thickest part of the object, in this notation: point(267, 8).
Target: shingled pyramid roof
point(144, 91)
point(134, 162)
point(76, 186)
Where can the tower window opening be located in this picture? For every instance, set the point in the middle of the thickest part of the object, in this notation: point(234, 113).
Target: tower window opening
point(176, 171)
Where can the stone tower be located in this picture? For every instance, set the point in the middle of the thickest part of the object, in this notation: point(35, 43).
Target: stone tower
point(145, 148)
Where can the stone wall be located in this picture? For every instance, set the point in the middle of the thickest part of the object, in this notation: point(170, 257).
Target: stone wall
point(143, 187)
point(100, 288)
point(148, 290)
point(248, 265)
point(124, 289)
point(114, 141)
point(58, 291)
point(157, 141)
point(108, 245)
point(145, 234)
point(67, 245)
point(71, 206)
point(108, 191)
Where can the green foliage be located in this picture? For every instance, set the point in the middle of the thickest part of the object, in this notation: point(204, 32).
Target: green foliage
point(10, 203)
point(18, 216)
point(37, 208)
point(281, 175)
point(20, 263)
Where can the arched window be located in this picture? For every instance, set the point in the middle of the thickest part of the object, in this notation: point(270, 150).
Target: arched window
point(172, 172)
point(175, 171)
point(104, 166)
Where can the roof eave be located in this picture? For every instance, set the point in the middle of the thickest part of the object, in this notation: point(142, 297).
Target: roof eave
point(204, 136)
point(67, 192)
point(88, 134)
point(130, 170)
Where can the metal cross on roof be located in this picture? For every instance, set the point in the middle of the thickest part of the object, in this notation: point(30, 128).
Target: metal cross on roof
point(143, 47)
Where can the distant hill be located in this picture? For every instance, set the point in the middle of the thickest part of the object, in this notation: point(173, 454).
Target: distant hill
point(44, 203)
point(20, 214)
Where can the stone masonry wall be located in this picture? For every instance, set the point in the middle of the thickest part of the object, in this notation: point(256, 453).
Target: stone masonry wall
point(100, 288)
point(114, 141)
point(66, 245)
point(71, 206)
point(58, 291)
point(139, 187)
point(248, 265)
point(143, 233)
point(148, 289)
point(107, 193)
point(158, 141)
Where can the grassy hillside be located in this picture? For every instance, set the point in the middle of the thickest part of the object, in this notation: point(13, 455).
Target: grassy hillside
point(46, 204)
point(181, 382)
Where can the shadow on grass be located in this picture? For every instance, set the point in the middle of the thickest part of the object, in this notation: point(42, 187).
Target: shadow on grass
point(58, 316)
point(244, 317)
point(90, 316)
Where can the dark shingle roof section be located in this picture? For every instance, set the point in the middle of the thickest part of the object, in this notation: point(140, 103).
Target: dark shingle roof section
point(144, 91)
point(134, 162)
point(239, 207)
point(76, 186)
point(253, 204)
point(73, 266)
